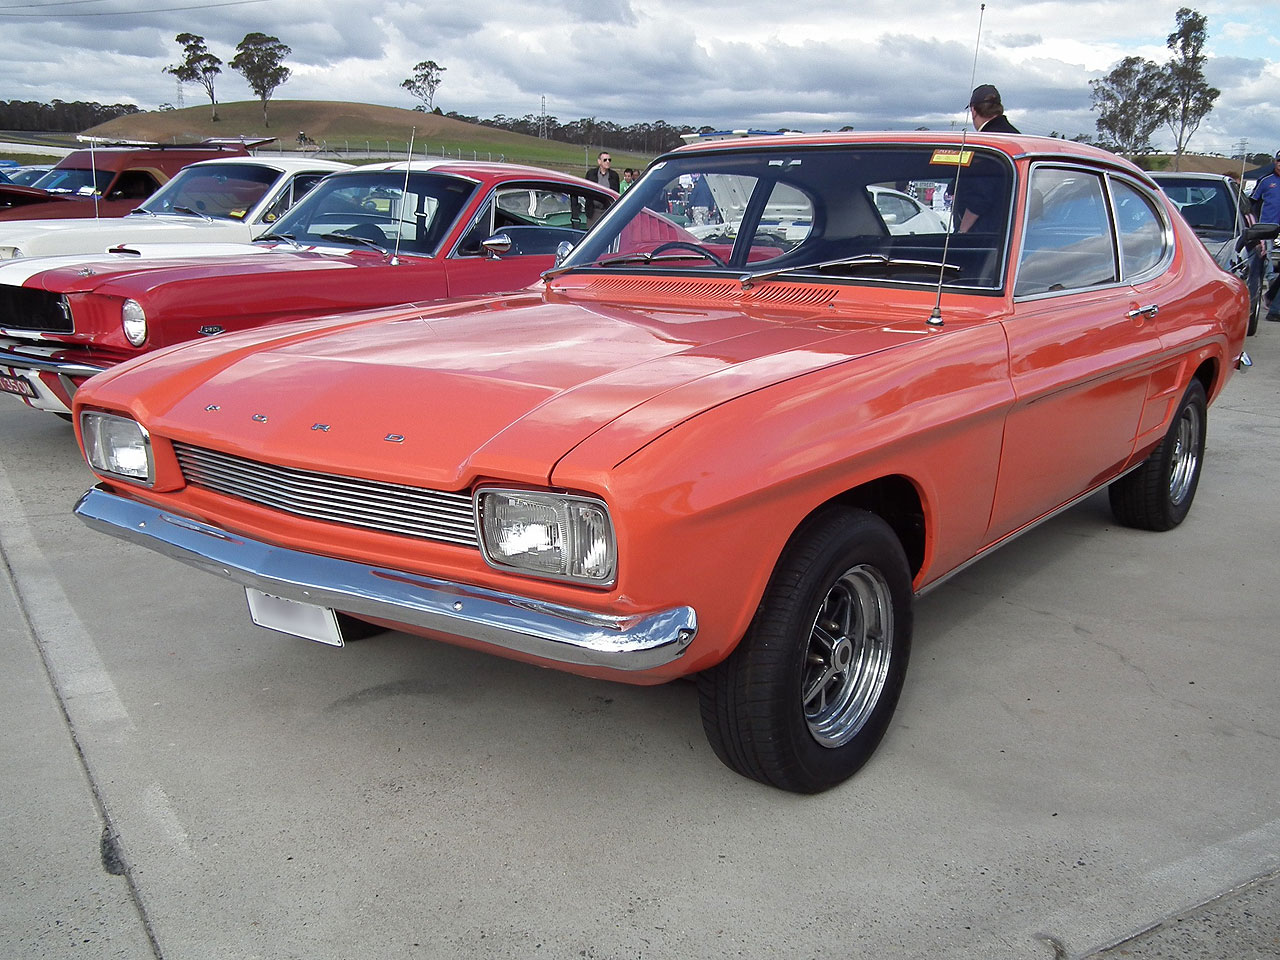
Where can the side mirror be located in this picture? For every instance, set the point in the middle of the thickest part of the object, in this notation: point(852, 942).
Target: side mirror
point(563, 249)
point(1261, 231)
point(497, 245)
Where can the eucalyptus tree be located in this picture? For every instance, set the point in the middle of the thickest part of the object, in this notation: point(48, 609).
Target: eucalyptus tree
point(260, 59)
point(198, 66)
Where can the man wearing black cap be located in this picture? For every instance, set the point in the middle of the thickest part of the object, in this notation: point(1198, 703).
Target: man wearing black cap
point(988, 112)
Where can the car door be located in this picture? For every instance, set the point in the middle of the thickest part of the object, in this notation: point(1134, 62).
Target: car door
point(536, 218)
point(1082, 349)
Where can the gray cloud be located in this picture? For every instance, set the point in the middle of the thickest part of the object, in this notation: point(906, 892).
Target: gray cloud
point(807, 64)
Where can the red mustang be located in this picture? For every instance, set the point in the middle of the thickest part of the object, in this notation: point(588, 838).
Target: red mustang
point(372, 236)
point(736, 453)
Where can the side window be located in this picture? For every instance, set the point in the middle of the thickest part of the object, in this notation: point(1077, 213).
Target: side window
point(482, 229)
point(294, 192)
point(133, 185)
point(1068, 242)
point(1142, 236)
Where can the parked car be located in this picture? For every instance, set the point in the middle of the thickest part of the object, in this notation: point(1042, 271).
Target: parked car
point(371, 236)
point(738, 461)
point(27, 174)
point(108, 181)
point(231, 199)
point(1218, 214)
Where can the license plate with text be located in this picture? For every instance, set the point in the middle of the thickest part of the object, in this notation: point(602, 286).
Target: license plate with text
point(18, 385)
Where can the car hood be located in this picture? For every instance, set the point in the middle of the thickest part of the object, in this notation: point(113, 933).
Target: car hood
point(146, 266)
point(443, 395)
point(39, 238)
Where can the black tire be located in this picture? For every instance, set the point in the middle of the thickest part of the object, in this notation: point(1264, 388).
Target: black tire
point(1158, 494)
point(835, 619)
point(1255, 300)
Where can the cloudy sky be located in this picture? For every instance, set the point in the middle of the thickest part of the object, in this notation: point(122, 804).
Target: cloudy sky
point(804, 64)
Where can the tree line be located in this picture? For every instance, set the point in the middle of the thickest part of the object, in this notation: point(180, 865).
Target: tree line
point(60, 115)
point(650, 138)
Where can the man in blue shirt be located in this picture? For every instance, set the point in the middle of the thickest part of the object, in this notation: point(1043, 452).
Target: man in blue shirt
point(1266, 208)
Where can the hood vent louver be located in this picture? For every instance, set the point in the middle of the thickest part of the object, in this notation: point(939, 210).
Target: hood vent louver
point(711, 291)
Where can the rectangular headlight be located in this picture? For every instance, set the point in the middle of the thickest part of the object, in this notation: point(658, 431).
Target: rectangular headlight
point(117, 446)
point(547, 534)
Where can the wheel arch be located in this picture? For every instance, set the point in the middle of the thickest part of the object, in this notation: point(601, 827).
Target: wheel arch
point(896, 500)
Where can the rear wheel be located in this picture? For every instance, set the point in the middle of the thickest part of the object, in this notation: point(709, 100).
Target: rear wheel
point(1158, 494)
point(807, 695)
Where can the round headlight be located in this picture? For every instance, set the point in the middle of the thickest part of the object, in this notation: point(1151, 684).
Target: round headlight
point(134, 320)
point(10, 253)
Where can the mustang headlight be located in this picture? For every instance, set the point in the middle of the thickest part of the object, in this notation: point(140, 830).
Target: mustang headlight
point(10, 253)
point(117, 446)
point(547, 534)
point(134, 320)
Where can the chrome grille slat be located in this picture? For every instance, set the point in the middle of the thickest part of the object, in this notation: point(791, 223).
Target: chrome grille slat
point(440, 515)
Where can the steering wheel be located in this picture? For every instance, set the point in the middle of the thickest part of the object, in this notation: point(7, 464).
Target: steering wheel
point(686, 245)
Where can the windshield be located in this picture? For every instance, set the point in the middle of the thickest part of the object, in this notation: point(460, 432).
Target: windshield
point(225, 191)
point(856, 212)
point(74, 180)
point(373, 209)
point(1209, 206)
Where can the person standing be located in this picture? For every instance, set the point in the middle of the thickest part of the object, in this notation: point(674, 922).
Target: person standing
point(1265, 200)
point(987, 112)
point(603, 173)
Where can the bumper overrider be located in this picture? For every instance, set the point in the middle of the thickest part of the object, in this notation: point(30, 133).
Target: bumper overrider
point(49, 383)
point(534, 627)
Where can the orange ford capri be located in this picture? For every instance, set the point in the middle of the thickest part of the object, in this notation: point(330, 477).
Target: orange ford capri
point(731, 435)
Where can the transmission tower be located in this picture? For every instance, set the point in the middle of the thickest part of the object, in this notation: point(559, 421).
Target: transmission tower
point(542, 119)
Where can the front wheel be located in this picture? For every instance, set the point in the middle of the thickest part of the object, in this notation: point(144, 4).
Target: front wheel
point(807, 695)
point(1158, 494)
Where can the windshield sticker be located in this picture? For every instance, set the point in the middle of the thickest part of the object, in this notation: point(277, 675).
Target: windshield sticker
point(952, 158)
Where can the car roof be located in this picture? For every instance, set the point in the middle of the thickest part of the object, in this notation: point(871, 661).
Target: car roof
point(1016, 145)
point(483, 170)
point(283, 164)
point(1199, 175)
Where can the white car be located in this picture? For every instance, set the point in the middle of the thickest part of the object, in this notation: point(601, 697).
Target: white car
point(788, 215)
point(904, 214)
point(227, 200)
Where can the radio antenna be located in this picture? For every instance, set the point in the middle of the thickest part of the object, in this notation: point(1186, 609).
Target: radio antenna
point(404, 195)
point(935, 317)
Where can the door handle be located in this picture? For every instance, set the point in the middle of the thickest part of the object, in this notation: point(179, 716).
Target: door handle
point(1150, 310)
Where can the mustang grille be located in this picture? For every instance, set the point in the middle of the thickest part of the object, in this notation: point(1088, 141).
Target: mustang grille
point(22, 308)
point(374, 505)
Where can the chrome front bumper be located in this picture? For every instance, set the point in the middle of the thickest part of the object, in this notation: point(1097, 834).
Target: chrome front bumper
point(544, 630)
point(64, 368)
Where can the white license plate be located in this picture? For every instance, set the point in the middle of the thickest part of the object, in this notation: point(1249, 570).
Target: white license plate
point(304, 620)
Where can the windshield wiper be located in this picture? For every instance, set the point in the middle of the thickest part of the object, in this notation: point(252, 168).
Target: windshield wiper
point(645, 258)
point(141, 210)
point(193, 213)
point(353, 239)
point(286, 237)
point(861, 260)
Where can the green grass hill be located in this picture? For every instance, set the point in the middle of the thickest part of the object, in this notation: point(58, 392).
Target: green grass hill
point(355, 129)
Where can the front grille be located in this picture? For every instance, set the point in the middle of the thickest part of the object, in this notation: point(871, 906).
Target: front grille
point(371, 504)
point(22, 308)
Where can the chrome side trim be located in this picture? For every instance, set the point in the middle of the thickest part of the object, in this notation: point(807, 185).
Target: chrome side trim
point(1021, 530)
point(63, 368)
point(546, 630)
